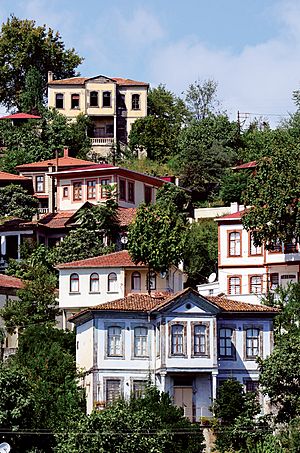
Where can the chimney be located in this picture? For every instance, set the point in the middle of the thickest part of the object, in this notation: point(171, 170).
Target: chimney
point(234, 207)
point(51, 188)
point(50, 76)
point(66, 152)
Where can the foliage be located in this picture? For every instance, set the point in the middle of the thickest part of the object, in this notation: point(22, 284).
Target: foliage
point(15, 201)
point(201, 98)
point(36, 302)
point(171, 195)
point(273, 193)
point(31, 98)
point(158, 132)
point(147, 166)
point(24, 45)
point(201, 251)
point(238, 426)
point(149, 424)
point(233, 185)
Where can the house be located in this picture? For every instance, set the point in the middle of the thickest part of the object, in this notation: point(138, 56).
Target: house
point(6, 179)
point(44, 186)
point(185, 343)
point(111, 103)
point(90, 282)
point(246, 272)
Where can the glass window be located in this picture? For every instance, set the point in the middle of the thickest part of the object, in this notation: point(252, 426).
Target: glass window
point(158, 340)
point(136, 281)
point(234, 285)
point(252, 342)
point(65, 192)
point(77, 191)
point(151, 281)
point(138, 388)
point(106, 99)
point(276, 247)
point(91, 190)
point(253, 249)
point(74, 283)
point(274, 281)
point(234, 243)
point(112, 283)
point(104, 184)
point(94, 99)
point(251, 386)
point(39, 183)
point(131, 191)
point(225, 342)
point(177, 339)
point(114, 341)
point(256, 284)
point(200, 339)
point(148, 194)
point(122, 189)
point(113, 390)
point(135, 102)
point(94, 283)
point(59, 101)
point(141, 342)
point(75, 101)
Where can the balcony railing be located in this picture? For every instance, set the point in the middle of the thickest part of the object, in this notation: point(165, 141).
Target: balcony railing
point(102, 141)
point(43, 210)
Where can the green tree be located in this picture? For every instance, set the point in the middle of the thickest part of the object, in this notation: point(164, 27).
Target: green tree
point(201, 251)
point(171, 195)
point(148, 424)
point(233, 184)
point(24, 45)
point(201, 98)
point(15, 201)
point(31, 98)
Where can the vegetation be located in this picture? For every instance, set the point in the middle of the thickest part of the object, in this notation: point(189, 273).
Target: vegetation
point(16, 202)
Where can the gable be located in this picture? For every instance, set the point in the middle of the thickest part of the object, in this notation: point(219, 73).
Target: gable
point(190, 303)
point(100, 79)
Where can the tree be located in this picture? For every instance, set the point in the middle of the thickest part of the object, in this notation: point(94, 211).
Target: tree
point(15, 201)
point(24, 45)
point(233, 184)
point(151, 424)
point(171, 195)
point(201, 98)
point(31, 98)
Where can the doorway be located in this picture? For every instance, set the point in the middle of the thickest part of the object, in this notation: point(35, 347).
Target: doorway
point(183, 397)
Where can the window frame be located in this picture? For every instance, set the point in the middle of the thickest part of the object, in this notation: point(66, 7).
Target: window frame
point(110, 354)
point(75, 96)
point(131, 191)
point(172, 326)
point(63, 191)
point(134, 275)
point(229, 254)
point(109, 282)
point(194, 326)
point(97, 96)
point(79, 184)
point(251, 284)
point(94, 279)
point(135, 101)
point(74, 279)
point(232, 355)
point(153, 278)
point(106, 380)
point(62, 98)
point(122, 193)
point(110, 99)
point(93, 187)
point(231, 277)
point(251, 247)
point(37, 183)
point(134, 382)
point(273, 277)
point(259, 338)
point(102, 186)
point(145, 342)
point(148, 189)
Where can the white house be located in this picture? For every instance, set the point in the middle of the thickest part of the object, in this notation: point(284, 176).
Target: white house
point(90, 282)
point(185, 343)
point(245, 272)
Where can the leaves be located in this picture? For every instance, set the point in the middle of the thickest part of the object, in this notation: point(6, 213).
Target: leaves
point(15, 201)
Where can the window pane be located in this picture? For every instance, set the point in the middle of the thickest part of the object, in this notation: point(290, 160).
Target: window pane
point(59, 101)
point(106, 99)
point(141, 341)
point(114, 341)
point(136, 281)
point(135, 102)
point(94, 99)
point(234, 244)
point(112, 282)
point(113, 390)
point(91, 189)
point(74, 283)
point(138, 388)
point(225, 342)
point(177, 339)
point(94, 283)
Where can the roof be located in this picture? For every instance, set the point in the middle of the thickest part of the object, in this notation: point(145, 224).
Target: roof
point(116, 259)
point(147, 304)
point(126, 216)
point(6, 281)
point(81, 81)
point(251, 164)
point(20, 116)
point(11, 177)
point(62, 162)
point(234, 216)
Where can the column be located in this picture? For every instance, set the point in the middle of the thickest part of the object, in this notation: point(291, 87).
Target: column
point(214, 385)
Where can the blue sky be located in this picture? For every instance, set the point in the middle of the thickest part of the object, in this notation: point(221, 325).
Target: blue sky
point(250, 47)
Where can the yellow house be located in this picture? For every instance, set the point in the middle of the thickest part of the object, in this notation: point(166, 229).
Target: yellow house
point(112, 103)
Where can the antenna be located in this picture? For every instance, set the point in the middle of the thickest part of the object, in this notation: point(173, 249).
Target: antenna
point(211, 279)
point(4, 447)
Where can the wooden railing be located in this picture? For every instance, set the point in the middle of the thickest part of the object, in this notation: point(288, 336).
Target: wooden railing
point(102, 141)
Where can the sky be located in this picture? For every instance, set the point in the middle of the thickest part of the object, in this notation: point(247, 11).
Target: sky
point(250, 47)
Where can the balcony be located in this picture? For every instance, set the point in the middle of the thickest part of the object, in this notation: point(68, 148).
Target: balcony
point(102, 141)
point(43, 210)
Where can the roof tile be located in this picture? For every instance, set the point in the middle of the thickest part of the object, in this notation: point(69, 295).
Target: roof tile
point(61, 161)
point(7, 281)
point(116, 259)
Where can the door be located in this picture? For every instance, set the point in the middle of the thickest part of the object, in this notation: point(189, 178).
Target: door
point(183, 397)
point(288, 278)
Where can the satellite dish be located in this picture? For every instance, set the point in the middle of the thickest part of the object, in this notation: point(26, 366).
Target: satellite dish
point(4, 447)
point(212, 277)
point(124, 240)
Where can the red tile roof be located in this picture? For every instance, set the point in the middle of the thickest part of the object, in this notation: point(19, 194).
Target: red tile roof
point(6, 281)
point(81, 81)
point(56, 219)
point(116, 259)
point(19, 116)
point(234, 216)
point(126, 216)
point(69, 81)
point(251, 164)
point(233, 305)
point(128, 82)
point(62, 162)
point(11, 177)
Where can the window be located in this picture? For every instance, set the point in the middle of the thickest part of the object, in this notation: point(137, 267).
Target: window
point(77, 191)
point(291, 247)
point(235, 243)
point(158, 340)
point(252, 342)
point(148, 194)
point(59, 101)
point(251, 386)
point(75, 101)
point(113, 390)
point(234, 285)
point(200, 339)
point(274, 281)
point(39, 184)
point(151, 281)
point(112, 283)
point(225, 342)
point(131, 191)
point(94, 99)
point(256, 284)
point(276, 247)
point(138, 388)
point(114, 341)
point(109, 130)
point(253, 249)
point(135, 102)
point(122, 189)
point(141, 342)
point(91, 190)
point(74, 283)
point(94, 283)
point(177, 334)
point(104, 184)
point(106, 99)
point(65, 192)
point(136, 281)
